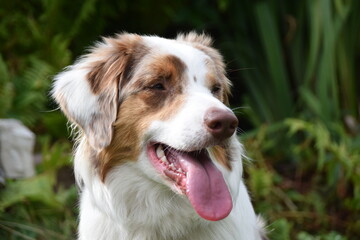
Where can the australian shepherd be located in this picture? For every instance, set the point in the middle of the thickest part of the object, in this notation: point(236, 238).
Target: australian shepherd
point(157, 155)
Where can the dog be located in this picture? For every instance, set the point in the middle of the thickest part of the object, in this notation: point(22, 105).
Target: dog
point(157, 156)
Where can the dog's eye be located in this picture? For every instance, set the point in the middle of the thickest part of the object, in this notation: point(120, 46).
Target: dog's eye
point(215, 89)
point(158, 86)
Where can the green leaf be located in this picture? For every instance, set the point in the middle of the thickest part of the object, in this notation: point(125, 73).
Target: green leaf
point(278, 81)
point(260, 182)
point(312, 102)
point(39, 188)
point(315, 17)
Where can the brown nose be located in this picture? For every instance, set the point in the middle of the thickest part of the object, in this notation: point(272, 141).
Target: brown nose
point(220, 123)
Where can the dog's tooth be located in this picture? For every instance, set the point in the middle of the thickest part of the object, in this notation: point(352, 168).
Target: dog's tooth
point(163, 158)
point(172, 166)
point(160, 152)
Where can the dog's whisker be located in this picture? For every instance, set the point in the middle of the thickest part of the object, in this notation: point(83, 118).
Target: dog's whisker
point(52, 110)
point(240, 130)
point(240, 69)
point(243, 107)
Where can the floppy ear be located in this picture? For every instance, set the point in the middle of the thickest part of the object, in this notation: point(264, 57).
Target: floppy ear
point(88, 91)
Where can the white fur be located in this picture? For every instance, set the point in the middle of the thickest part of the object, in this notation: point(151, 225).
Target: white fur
point(135, 202)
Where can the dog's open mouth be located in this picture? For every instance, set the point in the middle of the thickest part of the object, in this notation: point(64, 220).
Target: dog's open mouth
point(194, 174)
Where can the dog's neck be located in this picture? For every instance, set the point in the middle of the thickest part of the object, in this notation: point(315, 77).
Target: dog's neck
point(141, 207)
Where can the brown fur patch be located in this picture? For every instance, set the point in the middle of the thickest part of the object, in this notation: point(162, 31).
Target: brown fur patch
point(141, 106)
point(219, 72)
point(115, 61)
point(221, 155)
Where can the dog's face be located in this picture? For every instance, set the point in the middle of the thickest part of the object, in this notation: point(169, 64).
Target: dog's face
point(160, 103)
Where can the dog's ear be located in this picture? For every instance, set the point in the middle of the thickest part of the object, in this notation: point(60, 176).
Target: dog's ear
point(196, 38)
point(88, 91)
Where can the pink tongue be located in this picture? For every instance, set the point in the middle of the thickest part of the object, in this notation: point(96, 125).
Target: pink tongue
point(206, 187)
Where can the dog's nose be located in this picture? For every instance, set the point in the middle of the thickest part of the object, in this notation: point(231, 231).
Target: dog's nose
point(220, 123)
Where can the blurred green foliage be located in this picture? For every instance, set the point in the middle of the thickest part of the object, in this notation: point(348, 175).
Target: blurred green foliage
point(42, 207)
point(295, 68)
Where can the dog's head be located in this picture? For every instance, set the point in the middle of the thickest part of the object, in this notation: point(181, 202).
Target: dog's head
point(158, 102)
